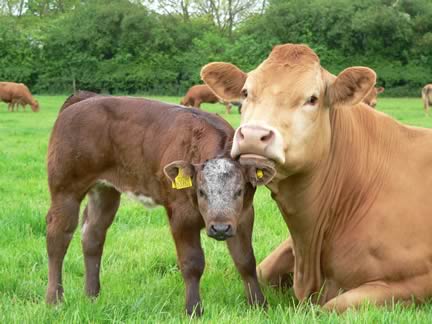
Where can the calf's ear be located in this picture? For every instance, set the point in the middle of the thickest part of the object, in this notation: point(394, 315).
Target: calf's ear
point(224, 79)
point(351, 86)
point(173, 169)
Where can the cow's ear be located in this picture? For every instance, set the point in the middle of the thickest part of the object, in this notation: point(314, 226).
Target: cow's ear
point(380, 90)
point(351, 86)
point(259, 175)
point(224, 79)
point(179, 168)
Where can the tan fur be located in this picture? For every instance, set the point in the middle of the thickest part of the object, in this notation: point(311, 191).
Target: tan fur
point(353, 184)
point(427, 98)
point(16, 94)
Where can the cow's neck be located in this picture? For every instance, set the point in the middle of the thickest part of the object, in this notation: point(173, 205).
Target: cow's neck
point(322, 203)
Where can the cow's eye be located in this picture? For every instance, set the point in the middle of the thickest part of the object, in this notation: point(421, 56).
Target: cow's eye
point(238, 193)
point(244, 93)
point(313, 100)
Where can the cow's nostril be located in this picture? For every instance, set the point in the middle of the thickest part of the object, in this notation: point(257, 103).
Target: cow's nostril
point(240, 134)
point(268, 137)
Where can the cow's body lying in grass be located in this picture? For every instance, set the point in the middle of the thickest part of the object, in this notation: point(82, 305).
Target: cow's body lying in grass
point(353, 184)
point(105, 146)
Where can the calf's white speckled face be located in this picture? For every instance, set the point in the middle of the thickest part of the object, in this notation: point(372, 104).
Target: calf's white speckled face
point(222, 188)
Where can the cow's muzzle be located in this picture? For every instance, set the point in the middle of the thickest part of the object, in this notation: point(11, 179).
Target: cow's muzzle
point(258, 140)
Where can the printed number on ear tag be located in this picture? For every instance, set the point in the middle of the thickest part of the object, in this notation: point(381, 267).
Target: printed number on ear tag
point(182, 181)
point(260, 174)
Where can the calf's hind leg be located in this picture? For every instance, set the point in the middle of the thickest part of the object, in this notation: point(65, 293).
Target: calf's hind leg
point(99, 214)
point(62, 220)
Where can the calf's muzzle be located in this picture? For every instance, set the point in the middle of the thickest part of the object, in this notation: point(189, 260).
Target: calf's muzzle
point(220, 231)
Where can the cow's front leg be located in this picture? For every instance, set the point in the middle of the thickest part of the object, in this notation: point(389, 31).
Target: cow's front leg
point(376, 293)
point(240, 247)
point(191, 261)
point(278, 267)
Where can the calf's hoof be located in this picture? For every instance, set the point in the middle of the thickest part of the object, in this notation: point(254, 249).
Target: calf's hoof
point(54, 296)
point(195, 310)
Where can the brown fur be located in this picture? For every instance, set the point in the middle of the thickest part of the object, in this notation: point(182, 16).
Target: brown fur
point(198, 94)
point(16, 94)
point(103, 146)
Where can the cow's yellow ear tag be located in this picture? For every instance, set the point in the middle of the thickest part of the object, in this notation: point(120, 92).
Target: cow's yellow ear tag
point(182, 181)
point(260, 174)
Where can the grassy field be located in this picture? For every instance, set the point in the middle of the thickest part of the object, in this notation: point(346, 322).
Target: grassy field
point(140, 279)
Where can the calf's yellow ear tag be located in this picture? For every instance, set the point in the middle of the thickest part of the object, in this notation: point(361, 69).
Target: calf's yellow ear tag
point(259, 174)
point(182, 181)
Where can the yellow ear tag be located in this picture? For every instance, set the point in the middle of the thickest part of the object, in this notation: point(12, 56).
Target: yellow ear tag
point(182, 181)
point(259, 174)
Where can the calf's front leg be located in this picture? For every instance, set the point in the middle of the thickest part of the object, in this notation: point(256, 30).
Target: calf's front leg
point(190, 257)
point(241, 250)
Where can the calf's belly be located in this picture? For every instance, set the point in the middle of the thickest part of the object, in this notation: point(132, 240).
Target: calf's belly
point(132, 193)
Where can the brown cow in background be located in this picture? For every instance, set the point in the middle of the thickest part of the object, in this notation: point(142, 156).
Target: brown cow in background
point(198, 94)
point(372, 96)
point(15, 94)
point(427, 97)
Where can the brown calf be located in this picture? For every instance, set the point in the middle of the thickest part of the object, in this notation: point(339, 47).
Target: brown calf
point(104, 146)
point(198, 94)
point(15, 94)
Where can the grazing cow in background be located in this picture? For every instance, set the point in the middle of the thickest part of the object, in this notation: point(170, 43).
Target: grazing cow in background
point(15, 94)
point(198, 94)
point(159, 154)
point(372, 97)
point(427, 97)
point(352, 184)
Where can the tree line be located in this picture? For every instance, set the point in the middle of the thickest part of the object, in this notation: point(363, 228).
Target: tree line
point(158, 47)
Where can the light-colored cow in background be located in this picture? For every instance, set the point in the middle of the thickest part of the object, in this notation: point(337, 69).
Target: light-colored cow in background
point(427, 97)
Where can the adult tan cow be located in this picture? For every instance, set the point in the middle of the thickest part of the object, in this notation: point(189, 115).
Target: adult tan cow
point(200, 93)
point(15, 94)
point(372, 97)
point(353, 184)
point(427, 97)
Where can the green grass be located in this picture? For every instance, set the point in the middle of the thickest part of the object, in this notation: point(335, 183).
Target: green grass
point(140, 279)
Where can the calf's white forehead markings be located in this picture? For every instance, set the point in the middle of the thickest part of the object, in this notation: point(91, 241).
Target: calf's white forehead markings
point(220, 179)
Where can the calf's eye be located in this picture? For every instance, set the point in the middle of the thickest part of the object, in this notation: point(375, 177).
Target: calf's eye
point(238, 193)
